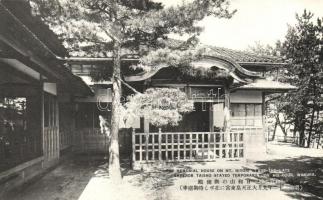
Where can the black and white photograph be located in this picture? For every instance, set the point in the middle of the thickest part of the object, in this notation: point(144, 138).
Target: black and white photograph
point(161, 99)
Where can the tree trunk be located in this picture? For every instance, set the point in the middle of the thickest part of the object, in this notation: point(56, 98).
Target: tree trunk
point(282, 128)
point(313, 111)
point(274, 132)
point(311, 128)
point(317, 128)
point(114, 161)
point(302, 131)
point(295, 130)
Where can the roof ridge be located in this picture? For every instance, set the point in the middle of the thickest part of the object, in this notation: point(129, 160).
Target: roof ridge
point(239, 56)
point(243, 55)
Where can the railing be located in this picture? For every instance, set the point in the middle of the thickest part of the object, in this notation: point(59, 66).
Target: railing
point(188, 146)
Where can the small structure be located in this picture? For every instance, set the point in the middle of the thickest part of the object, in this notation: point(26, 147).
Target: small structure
point(36, 95)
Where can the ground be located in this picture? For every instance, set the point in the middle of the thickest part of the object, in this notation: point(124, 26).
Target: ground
point(65, 182)
point(85, 178)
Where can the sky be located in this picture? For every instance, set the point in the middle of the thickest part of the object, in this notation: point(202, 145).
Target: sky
point(263, 21)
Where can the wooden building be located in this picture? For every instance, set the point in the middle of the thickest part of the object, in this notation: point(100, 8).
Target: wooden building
point(45, 110)
point(36, 95)
point(236, 93)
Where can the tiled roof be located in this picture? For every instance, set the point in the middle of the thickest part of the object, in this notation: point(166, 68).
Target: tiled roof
point(264, 84)
point(34, 45)
point(22, 11)
point(242, 57)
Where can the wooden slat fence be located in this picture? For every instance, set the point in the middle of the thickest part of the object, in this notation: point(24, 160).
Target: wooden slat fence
point(66, 138)
point(188, 146)
point(51, 143)
point(91, 140)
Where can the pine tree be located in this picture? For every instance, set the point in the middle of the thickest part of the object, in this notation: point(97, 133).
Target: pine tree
point(303, 48)
point(141, 26)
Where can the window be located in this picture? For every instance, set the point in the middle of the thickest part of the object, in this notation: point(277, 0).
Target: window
point(86, 69)
point(20, 138)
point(13, 114)
point(76, 69)
point(87, 115)
point(246, 114)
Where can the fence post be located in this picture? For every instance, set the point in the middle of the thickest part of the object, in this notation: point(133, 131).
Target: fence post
point(173, 147)
point(153, 145)
point(245, 139)
point(184, 142)
point(232, 143)
point(203, 140)
point(140, 147)
point(178, 149)
point(159, 145)
point(166, 147)
point(133, 146)
point(146, 144)
point(220, 145)
point(208, 146)
point(191, 143)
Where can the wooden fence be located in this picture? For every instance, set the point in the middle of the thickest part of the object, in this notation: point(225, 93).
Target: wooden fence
point(51, 143)
point(66, 138)
point(91, 140)
point(188, 146)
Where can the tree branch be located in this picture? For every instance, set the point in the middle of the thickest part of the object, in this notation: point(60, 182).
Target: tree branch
point(130, 87)
point(111, 35)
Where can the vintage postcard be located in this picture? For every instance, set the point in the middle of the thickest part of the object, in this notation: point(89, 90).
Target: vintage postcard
point(161, 99)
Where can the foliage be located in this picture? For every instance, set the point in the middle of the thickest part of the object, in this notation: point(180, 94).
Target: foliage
point(162, 106)
point(118, 27)
point(89, 27)
point(262, 49)
point(302, 48)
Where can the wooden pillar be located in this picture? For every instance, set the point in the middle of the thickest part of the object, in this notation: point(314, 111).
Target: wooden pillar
point(57, 125)
point(211, 121)
point(146, 120)
point(227, 96)
point(73, 138)
point(134, 147)
point(42, 140)
point(263, 110)
point(227, 107)
point(263, 113)
point(146, 125)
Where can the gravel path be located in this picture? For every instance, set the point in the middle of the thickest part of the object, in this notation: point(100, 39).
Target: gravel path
point(87, 179)
point(66, 182)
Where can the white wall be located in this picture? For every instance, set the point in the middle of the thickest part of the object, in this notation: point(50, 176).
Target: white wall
point(101, 95)
point(246, 96)
point(51, 88)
